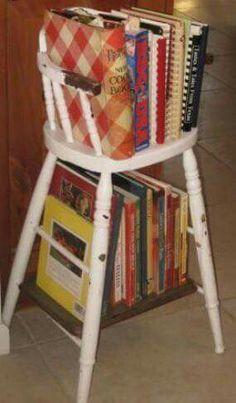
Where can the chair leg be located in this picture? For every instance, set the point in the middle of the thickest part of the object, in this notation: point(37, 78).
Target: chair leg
point(27, 237)
point(91, 325)
point(199, 221)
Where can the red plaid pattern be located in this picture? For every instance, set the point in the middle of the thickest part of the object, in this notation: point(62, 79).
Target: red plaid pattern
point(97, 53)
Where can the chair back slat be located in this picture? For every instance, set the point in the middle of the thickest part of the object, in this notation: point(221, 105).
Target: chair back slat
point(49, 101)
point(63, 112)
point(54, 79)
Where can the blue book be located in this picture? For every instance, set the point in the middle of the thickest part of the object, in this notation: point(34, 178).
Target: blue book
point(138, 65)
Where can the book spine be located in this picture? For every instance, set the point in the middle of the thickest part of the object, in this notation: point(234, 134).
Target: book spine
point(130, 253)
point(150, 278)
point(192, 88)
point(110, 264)
point(123, 255)
point(117, 276)
point(153, 87)
point(162, 248)
point(169, 243)
point(138, 252)
point(140, 191)
point(137, 59)
point(196, 102)
point(155, 240)
point(161, 92)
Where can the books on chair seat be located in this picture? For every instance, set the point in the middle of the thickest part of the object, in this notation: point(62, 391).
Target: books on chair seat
point(150, 67)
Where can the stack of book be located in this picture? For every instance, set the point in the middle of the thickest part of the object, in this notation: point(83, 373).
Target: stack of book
point(148, 239)
point(165, 58)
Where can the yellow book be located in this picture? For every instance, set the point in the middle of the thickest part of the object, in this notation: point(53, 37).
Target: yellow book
point(61, 279)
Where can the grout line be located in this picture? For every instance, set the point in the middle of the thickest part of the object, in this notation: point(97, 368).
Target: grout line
point(233, 89)
point(220, 81)
point(215, 157)
point(37, 346)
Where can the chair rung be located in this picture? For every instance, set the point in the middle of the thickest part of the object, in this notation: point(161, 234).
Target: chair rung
point(75, 339)
point(77, 262)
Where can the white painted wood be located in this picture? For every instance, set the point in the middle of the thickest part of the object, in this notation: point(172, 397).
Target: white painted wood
point(4, 333)
point(49, 101)
point(64, 116)
point(85, 157)
point(4, 339)
point(199, 221)
point(94, 136)
point(65, 252)
point(94, 303)
point(27, 237)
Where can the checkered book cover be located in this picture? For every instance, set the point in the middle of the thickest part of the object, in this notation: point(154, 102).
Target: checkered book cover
point(97, 53)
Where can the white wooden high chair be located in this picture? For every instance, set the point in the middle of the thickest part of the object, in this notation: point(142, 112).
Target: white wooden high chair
point(60, 144)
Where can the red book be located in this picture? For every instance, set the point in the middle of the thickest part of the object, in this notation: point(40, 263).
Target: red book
point(161, 90)
point(130, 252)
point(177, 238)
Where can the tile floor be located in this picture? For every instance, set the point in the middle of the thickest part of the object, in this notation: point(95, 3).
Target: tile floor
point(165, 355)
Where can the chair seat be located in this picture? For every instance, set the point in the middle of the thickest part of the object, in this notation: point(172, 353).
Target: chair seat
point(79, 154)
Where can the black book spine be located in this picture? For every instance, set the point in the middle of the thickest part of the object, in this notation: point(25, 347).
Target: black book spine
point(114, 235)
point(205, 30)
point(193, 79)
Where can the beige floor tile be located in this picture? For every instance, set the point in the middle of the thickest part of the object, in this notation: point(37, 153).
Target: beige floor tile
point(24, 378)
point(217, 112)
point(19, 336)
point(214, 174)
point(229, 307)
point(223, 148)
point(168, 357)
point(222, 220)
point(224, 68)
point(210, 83)
point(220, 43)
point(62, 357)
point(40, 325)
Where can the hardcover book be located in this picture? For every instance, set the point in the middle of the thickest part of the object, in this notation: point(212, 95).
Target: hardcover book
point(60, 278)
point(136, 43)
point(79, 192)
point(94, 48)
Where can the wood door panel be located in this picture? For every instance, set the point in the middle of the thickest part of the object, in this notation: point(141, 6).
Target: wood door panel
point(5, 235)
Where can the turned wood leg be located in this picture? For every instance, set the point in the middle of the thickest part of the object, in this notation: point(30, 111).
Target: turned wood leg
point(4, 333)
point(27, 237)
point(199, 221)
point(95, 294)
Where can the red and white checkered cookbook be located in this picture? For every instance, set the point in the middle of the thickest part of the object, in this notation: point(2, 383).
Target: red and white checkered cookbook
point(96, 52)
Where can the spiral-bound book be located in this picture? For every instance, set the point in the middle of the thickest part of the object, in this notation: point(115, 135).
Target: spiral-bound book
point(191, 75)
point(176, 68)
